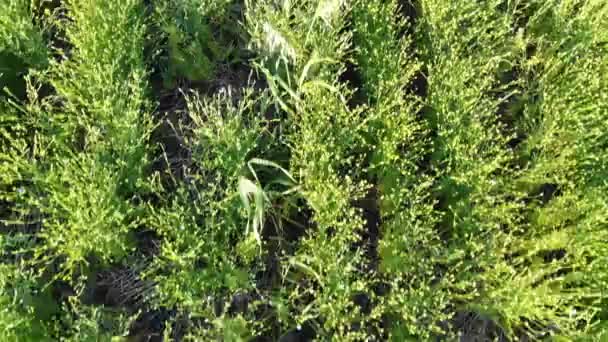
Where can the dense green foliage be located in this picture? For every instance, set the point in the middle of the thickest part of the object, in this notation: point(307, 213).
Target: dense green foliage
point(298, 170)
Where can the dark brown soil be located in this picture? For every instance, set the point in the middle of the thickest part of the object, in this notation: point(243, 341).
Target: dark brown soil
point(150, 326)
point(119, 287)
point(409, 10)
point(471, 327)
point(148, 242)
point(305, 333)
point(553, 255)
point(352, 78)
point(548, 191)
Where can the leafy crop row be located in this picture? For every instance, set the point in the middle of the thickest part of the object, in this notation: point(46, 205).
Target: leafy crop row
point(279, 170)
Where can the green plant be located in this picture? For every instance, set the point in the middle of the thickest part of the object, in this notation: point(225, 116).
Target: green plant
point(398, 141)
point(22, 46)
point(193, 44)
point(26, 309)
point(199, 222)
point(392, 170)
point(300, 48)
point(84, 154)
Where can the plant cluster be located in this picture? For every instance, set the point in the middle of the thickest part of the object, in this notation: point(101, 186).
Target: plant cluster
point(303, 170)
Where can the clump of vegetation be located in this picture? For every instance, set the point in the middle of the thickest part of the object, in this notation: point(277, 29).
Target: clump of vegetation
point(198, 36)
point(303, 170)
point(22, 46)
